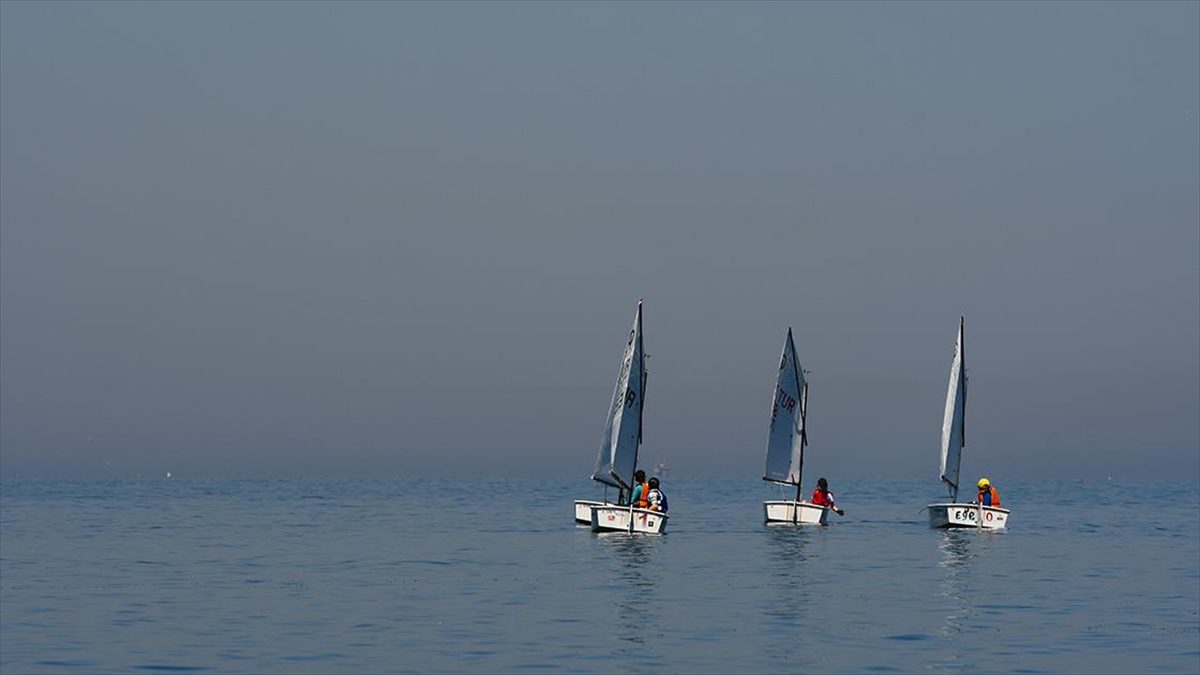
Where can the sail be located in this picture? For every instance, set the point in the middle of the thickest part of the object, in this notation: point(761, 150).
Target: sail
point(617, 458)
point(789, 404)
point(953, 423)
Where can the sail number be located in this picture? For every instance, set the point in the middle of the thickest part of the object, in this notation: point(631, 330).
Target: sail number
point(782, 400)
point(785, 400)
point(970, 514)
point(630, 395)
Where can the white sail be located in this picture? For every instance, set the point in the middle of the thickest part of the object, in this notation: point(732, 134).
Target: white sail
point(789, 404)
point(953, 423)
point(617, 458)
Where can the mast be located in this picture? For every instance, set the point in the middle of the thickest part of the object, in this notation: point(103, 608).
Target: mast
point(803, 427)
point(641, 355)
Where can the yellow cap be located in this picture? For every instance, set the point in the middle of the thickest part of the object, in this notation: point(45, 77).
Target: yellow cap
point(983, 482)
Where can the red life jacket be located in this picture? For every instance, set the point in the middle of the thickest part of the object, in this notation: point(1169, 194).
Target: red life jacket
point(995, 496)
point(820, 499)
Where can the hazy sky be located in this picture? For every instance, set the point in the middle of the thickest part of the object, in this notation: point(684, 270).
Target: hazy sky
point(388, 239)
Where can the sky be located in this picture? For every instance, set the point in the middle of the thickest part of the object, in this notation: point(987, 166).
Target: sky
point(405, 239)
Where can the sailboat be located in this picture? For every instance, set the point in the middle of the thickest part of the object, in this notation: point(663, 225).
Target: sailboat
point(617, 459)
point(786, 442)
point(955, 513)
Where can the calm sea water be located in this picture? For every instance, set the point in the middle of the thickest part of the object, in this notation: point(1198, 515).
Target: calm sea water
point(493, 576)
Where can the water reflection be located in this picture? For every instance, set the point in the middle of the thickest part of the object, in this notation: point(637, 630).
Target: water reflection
point(958, 549)
point(634, 572)
point(793, 560)
point(955, 545)
point(788, 545)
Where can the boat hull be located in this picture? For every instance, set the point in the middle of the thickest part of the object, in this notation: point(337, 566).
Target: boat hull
point(583, 510)
point(795, 512)
point(960, 514)
point(613, 518)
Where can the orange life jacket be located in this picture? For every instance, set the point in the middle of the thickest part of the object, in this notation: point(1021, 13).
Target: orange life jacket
point(643, 496)
point(995, 496)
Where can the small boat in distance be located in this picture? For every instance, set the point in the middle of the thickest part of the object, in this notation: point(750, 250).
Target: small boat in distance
point(786, 442)
point(955, 513)
point(617, 459)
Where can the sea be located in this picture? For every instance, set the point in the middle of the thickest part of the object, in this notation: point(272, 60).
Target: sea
point(433, 575)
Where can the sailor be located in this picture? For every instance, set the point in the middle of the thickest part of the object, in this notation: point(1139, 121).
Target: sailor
point(988, 496)
point(640, 490)
point(823, 497)
point(656, 498)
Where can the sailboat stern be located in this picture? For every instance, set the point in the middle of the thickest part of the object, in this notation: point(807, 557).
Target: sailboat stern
point(794, 512)
point(959, 514)
point(613, 518)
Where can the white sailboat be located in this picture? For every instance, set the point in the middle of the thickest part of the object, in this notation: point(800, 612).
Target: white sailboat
point(617, 458)
point(955, 513)
point(786, 442)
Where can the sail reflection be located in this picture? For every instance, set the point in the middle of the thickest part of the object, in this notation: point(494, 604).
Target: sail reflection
point(636, 601)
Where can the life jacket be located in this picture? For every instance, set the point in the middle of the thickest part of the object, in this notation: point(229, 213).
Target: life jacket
point(661, 504)
point(643, 497)
point(819, 498)
point(985, 493)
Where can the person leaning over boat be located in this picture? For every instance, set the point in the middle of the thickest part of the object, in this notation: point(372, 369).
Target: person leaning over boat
point(640, 490)
point(988, 496)
point(821, 496)
point(656, 498)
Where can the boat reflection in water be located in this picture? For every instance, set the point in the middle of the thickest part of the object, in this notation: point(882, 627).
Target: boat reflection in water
point(635, 582)
point(955, 547)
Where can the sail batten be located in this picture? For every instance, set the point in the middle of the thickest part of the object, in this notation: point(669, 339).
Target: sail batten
point(617, 457)
point(953, 421)
point(787, 438)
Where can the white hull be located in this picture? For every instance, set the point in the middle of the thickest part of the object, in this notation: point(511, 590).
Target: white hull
point(967, 515)
point(583, 510)
point(613, 518)
point(795, 512)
